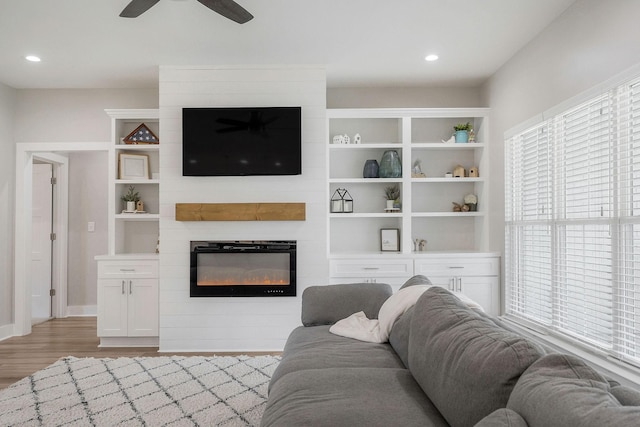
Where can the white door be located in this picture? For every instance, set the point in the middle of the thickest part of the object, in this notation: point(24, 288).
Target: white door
point(41, 242)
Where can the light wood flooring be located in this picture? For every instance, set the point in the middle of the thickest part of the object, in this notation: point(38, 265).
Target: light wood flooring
point(51, 340)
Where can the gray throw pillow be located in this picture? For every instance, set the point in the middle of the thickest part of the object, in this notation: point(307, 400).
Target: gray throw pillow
point(563, 390)
point(626, 395)
point(465, 363)
point(418, 279)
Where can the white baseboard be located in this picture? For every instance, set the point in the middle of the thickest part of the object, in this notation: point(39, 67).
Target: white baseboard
point(129, 342)
point(6, 331)
point(82, 310)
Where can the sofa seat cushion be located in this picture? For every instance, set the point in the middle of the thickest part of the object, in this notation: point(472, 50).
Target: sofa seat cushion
point(563, 390)
point(314, 347)
point(465, 363)
point(350, 397)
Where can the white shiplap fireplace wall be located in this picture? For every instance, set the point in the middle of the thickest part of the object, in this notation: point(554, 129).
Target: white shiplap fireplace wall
point(238, 324)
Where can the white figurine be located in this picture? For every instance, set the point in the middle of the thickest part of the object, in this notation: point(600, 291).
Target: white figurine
point(450, 140)
point(357, 139)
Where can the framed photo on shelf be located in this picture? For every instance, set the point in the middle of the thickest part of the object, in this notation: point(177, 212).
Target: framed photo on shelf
point(390, 240)
point(133, 166)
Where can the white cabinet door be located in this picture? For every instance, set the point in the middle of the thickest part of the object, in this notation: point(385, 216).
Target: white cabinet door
point(143, 307)
point(483, 290)
point(112, 307)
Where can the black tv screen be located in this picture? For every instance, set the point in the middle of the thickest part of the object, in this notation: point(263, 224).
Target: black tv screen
point(241, 141)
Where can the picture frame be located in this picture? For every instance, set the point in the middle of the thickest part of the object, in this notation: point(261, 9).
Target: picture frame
point(133, 166)
point(390, 240)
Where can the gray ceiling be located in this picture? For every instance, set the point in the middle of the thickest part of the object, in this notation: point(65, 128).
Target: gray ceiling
point(84, 44)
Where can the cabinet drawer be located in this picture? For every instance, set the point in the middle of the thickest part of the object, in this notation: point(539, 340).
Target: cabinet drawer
point(451, 266)
point(138, 268)
point(371, 268)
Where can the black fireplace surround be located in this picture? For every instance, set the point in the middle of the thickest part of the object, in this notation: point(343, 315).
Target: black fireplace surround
point(243, 268)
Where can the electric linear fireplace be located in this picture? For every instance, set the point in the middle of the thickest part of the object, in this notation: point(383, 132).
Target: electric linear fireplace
point(243, 268)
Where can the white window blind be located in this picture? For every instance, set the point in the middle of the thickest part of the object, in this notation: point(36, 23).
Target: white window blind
point(572, 214)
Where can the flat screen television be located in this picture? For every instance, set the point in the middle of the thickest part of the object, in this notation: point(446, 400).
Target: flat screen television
point(241, 141)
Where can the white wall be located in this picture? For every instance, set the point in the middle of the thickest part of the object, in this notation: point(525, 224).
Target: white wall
point(73, 115)
point(7, 203)
point(87, 203)
point(405, 97)
point(590, 42)
point(238, 324)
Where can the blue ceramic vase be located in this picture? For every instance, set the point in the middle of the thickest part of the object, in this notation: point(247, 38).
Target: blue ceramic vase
point(462, 136)
point(370, 169)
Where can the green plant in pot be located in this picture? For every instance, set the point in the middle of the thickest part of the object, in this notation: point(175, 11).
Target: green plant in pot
point(131, 197)
point(392, 194)
point(462, 131)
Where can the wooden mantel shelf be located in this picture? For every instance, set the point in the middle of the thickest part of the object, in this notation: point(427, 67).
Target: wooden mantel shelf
point(240, 212)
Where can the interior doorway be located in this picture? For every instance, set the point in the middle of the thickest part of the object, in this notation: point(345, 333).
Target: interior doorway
point(57, 155)
point(42, 247)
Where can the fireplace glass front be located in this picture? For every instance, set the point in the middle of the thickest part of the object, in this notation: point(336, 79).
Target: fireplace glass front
point(243, 268)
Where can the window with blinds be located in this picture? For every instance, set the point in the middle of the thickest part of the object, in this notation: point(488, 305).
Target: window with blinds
point(572, 218)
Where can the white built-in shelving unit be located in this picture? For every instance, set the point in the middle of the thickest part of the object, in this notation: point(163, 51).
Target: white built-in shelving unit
point(132, 233)
point(128, 281)
point(426, 202)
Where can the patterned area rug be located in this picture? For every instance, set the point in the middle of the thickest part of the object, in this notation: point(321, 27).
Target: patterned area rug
point(151, 391)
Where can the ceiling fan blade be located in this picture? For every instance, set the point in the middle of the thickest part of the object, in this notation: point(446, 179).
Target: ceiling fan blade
point(229, 9)
point(137, 8)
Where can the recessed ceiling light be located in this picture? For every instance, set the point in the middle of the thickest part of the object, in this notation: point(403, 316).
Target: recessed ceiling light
point(32, 58)
point(431, 58)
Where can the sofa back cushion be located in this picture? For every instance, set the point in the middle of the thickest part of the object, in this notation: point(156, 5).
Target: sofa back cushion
point(464, 362)
point(563, 390)
point(325, 305)
point(399, 336)
point(502, 418)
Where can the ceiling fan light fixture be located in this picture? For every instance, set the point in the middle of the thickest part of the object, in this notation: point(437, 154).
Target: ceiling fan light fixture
point(32, 58)
point(430, 58)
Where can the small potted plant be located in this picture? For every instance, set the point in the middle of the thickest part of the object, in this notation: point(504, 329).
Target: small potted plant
point(462, 131)
point(471, 200)
point(131, 197)
point(392, 194)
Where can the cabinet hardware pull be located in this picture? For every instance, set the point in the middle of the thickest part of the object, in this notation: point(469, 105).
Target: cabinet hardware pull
point(123, 287)
point(127, 269)
point(130, 288)
point(452, 267)
point(459, 284)
point(371, 268)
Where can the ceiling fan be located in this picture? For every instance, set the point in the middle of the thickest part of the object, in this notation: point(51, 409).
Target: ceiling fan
point(227, 8)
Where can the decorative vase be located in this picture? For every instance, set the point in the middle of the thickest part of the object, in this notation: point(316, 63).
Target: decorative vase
point(390, 165)
point(462, 136)
point(370, 169)
point(390, 204)
point(131, 206)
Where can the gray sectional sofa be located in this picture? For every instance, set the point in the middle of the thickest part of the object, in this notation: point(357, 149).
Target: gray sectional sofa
point(445, 364)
